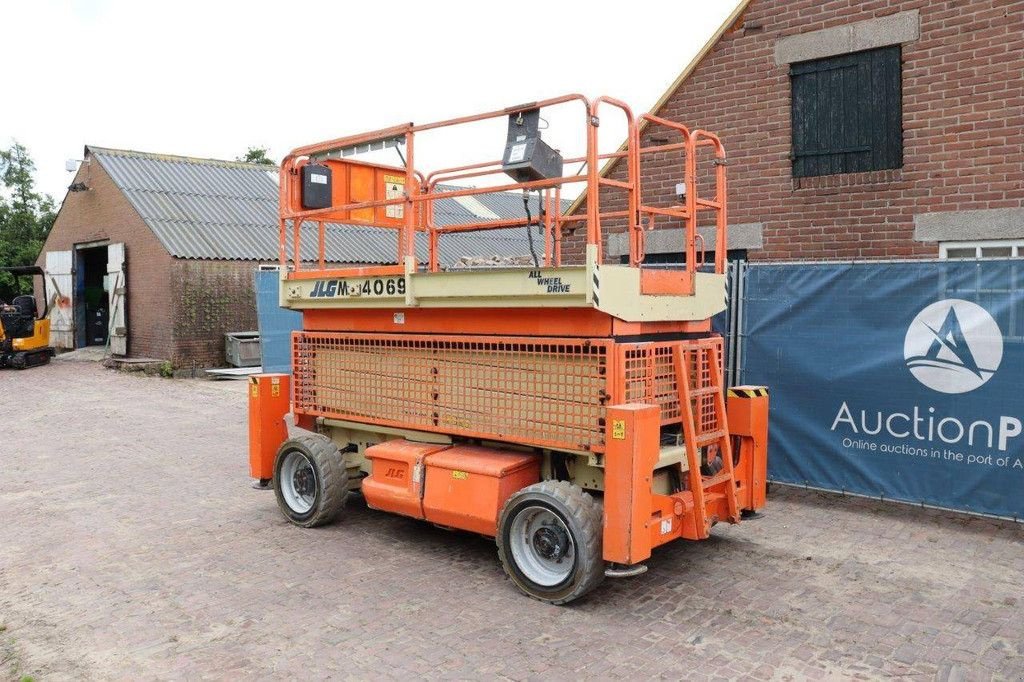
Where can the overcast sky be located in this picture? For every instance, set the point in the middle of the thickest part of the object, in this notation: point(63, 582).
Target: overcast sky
point(211, 78)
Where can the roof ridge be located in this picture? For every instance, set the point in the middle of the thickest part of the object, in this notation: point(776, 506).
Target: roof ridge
point(184, 193)
point(94, 149)
point(496, 192)
point(209, 209)
point(193, 221)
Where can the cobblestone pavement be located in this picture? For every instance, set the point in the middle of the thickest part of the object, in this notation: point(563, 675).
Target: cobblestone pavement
point(133, 547)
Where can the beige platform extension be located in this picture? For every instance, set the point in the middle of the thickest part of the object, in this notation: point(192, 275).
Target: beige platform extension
point(613, 289)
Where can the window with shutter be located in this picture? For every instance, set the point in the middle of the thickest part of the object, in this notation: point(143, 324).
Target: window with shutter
point(848, 113)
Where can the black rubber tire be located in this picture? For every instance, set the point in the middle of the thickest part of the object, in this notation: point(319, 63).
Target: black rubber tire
point(582, 516)
point(35, 358)
point(331, 479)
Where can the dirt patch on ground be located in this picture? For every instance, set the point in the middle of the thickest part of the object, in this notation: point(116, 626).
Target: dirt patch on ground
point(10, 658)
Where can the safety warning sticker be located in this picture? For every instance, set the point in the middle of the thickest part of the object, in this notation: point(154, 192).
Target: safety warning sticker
point(518, 153)
point(394, 188)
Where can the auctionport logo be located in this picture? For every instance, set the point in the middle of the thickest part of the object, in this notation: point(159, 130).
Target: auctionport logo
point(953, 346)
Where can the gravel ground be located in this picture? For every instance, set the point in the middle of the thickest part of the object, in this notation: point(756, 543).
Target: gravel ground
point(133, 547)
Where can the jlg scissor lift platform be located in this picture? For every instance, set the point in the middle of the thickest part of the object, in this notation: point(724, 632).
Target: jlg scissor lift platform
point(574, 412)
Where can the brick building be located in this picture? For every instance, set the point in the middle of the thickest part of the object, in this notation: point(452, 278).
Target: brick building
point(154, 254)
point(857, 130)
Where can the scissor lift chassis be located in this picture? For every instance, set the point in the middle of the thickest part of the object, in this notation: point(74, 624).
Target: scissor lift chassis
point(576, 413)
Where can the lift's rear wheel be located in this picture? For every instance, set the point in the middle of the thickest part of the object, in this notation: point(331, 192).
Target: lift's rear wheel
point(549, 541)
point(310, 480)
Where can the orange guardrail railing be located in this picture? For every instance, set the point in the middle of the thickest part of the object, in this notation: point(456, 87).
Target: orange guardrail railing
point(412, 210)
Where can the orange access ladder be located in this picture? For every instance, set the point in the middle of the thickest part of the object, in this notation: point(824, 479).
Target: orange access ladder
point(706, 430)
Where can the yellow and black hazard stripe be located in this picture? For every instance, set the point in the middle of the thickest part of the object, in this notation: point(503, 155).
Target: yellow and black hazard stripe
point(748, 391)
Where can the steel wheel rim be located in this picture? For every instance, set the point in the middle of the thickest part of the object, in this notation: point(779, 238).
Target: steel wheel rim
point(298, 482)
point(542, 546)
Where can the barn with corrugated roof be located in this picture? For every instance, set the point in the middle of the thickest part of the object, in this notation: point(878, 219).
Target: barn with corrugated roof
point(153, 255)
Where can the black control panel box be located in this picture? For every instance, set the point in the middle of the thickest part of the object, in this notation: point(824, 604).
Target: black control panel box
point(316, 186)
point(527, 157)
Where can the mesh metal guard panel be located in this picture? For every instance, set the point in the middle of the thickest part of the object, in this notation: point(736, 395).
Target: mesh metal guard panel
point(544, 392)
point(649, 373)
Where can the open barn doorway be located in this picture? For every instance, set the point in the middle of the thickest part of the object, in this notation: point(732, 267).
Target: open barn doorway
point(92, 300)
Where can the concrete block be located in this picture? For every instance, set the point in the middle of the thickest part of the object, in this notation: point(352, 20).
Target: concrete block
point(747, 236)
point(948, 226)
point(861, 35)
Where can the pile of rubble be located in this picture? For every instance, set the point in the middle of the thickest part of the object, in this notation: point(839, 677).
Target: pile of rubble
point(494, 261)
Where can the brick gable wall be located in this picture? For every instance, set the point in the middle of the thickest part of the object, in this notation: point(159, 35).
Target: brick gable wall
point(103, 212)
point(963, 121)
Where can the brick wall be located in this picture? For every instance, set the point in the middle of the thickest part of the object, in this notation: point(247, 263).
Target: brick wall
point(210, 298)
point(963, 122)
point(103, 212)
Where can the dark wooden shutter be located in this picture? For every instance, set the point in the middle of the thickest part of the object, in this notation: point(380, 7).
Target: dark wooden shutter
point(847, 113)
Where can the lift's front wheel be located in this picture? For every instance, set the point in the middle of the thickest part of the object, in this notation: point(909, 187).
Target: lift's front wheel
point(549, 541)
point(310, 480)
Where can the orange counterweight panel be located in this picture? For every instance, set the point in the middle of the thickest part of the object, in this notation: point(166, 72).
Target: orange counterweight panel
point(466, 486)
point(269, 397)
point(40, 337)
point(748, 424)
point(396, 482)
point(354, 182)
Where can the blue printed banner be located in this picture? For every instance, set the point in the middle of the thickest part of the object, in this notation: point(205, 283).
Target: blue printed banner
point(900, 380)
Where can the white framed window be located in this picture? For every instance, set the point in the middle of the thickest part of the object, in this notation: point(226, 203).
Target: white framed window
point(998, 248)
point(994, 287)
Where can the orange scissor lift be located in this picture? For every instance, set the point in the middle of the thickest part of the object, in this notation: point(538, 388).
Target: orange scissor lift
point(575, 412)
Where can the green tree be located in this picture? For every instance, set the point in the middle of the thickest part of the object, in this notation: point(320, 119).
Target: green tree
point(256, 155)
point(26, 217)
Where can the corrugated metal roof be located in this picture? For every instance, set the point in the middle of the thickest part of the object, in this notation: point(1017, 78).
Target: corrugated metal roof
point(224, 210)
